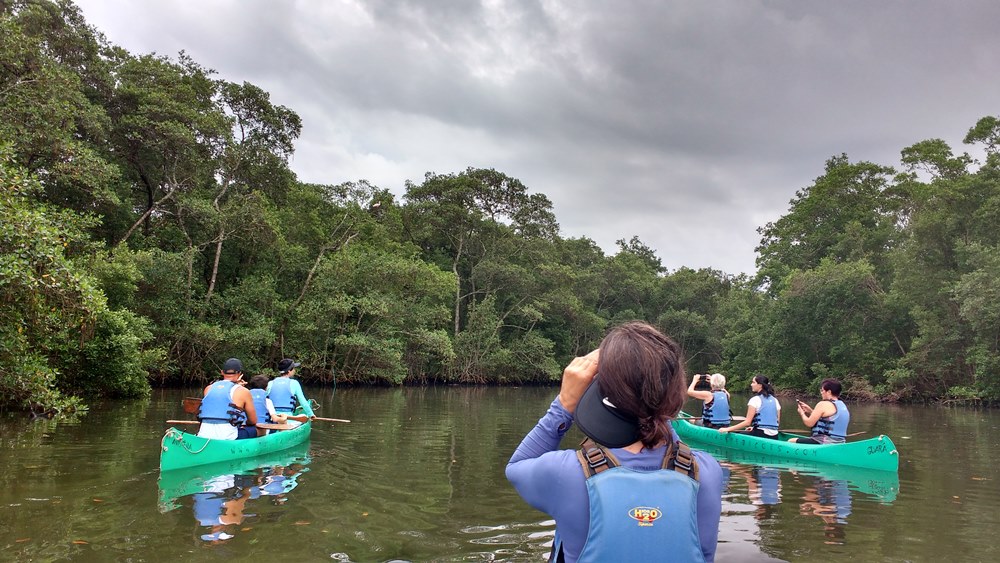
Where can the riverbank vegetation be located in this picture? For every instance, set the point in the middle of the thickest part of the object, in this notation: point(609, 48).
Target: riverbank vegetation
point(150, 227)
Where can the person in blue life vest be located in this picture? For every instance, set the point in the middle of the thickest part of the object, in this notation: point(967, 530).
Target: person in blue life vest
point(715, 408)
point(828, 419)
point(286, 393)
point(227, 411)
point(633, 492)
point(262, 404)
point(763, 411)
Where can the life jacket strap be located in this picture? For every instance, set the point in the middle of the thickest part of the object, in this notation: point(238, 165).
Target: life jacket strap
point(681, 459)
point(594, 458)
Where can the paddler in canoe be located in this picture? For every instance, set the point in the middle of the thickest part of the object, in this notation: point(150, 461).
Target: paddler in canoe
point(227, 411)
point(262, 404)
point(286, 393)
point(763, 411)
point(828, 419)
point(715, 408)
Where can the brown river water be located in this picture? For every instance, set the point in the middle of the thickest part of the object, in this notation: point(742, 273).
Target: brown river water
point(418, 475)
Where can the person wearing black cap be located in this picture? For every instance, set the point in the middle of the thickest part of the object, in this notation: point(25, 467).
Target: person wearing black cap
point(227, 411)
point(286, 393)
point(633, 492)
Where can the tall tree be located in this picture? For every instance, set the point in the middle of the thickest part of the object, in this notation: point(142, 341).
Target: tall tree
point(848, 214)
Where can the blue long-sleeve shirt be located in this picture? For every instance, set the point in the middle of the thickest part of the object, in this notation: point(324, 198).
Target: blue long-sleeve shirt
point(551, 480)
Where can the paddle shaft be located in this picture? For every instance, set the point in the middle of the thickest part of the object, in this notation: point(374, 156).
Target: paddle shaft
point(191, 406)
point(263, 425)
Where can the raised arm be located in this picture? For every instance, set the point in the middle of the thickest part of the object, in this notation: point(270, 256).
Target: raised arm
point(705, 396)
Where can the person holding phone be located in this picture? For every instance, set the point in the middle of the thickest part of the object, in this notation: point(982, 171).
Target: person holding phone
point(828, 419)
point(715, 411)
point(631, 492)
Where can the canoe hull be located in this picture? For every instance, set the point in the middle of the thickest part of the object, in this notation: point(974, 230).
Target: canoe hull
point(180, 449)
point(874, 453)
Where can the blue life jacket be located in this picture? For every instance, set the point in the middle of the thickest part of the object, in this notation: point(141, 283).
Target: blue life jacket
point(717, 411)
point(834, 426)
point(640, 515)
point(767, 415)
point(281, 395)
point(260, 405)
point(217, 406)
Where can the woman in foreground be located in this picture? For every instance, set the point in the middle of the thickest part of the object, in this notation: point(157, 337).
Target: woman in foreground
point(663, 502)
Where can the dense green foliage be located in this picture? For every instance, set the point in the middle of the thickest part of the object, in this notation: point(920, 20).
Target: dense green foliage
point(150, 227)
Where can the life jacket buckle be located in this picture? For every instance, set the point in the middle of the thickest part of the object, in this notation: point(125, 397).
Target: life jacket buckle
point(595, 457)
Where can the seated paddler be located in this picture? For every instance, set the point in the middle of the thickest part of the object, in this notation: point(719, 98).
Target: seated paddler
point(715, 411)
point(227, 411)
point(286, 394)
point(763, 411)
point(828, 419)
point(264, 407)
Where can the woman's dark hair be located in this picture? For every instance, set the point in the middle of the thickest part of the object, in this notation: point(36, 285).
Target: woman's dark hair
point(765, 384)
point(832, 385)
point(642, 373)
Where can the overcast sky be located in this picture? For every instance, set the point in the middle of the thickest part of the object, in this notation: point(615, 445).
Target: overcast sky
point(689, 124)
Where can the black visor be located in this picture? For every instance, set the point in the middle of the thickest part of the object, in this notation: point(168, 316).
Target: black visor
point(599, 419)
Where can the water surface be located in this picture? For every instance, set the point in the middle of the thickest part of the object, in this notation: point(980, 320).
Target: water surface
point(418, 475)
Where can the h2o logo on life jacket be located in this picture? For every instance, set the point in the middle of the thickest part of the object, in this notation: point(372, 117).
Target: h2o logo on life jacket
point(645, 515)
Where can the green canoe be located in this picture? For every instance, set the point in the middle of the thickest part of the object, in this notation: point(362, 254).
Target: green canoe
point(874, 453)
point(180, 449)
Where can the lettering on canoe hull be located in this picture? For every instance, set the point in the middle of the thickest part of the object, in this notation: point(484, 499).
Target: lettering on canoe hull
point(877, 449)
point(773, 447)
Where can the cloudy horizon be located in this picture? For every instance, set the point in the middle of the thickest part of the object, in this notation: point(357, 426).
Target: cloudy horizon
point(687, 124)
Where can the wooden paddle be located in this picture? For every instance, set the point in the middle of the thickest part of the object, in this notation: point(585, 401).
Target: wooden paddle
point(192, 404)
point(267, 426)
point(740, 418)
point(330, 419)
point(263, 425)
point(304, 418)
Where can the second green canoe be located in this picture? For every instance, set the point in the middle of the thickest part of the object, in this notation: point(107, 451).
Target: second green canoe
point(874, 453)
